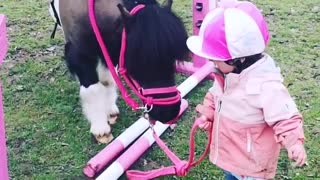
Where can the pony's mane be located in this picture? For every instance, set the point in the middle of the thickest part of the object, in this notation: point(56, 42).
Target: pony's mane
point(156, 39)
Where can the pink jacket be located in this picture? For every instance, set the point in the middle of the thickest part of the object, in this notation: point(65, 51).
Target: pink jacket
point(254, 116)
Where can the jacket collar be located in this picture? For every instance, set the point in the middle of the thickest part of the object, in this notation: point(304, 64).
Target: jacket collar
point(262, 68)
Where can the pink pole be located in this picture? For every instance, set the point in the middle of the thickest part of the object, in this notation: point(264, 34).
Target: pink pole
point(104, 157)
point(119, 166)
point(3, 38)
point(200, 8)
point(189, 68)
point(4, 172)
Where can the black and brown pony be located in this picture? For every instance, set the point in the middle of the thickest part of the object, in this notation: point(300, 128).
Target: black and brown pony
point(156, 39)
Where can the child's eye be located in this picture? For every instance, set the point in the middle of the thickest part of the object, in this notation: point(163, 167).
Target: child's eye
point(229, 62)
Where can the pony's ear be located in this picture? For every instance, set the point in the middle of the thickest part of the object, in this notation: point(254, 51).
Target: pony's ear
point(127, 18)
point(169, 5)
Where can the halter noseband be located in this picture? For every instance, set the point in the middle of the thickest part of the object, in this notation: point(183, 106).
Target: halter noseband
point(139, 91)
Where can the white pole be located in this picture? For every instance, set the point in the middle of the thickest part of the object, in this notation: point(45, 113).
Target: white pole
point(119, 166)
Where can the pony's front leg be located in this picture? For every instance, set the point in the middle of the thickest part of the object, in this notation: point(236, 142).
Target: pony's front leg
point(105, 77)
point(95, 105)
point(94, 95)
point(114, 110)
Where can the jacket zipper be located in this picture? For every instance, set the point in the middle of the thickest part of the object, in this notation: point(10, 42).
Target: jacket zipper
point(216, 141)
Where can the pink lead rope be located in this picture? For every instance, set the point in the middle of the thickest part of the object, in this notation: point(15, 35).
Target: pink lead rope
point(106, 55)
point(181, 168)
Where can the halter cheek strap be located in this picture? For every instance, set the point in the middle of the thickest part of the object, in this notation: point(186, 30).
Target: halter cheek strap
point(133, 85)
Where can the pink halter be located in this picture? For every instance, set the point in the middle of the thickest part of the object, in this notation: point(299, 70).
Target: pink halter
point(134, 85)
point(181, 168)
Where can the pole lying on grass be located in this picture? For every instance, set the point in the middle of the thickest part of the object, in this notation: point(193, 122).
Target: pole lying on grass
point(189, 68)
point(104, 157)
point(192, 81)
point(119, 166)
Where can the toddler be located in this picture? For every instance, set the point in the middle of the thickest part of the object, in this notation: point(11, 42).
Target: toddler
point(252, 113)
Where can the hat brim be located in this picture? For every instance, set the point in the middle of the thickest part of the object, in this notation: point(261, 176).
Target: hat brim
point(194, 44)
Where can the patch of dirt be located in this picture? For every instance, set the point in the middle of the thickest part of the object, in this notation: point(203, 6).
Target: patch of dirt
point(22, 56)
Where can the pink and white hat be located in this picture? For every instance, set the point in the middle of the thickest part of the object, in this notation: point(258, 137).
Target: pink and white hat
point(235, 29)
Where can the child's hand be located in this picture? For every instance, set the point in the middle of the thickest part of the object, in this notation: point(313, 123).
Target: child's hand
point(206, 124)
point(297, 153)
point(207, 108)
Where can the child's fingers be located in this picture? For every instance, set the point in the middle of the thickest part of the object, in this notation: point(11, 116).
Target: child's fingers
point(207, 126)
point(305, 163)
point(296, 153)
point(204, 118)
point(203, 125)
point(304, 159)
point(301, 159)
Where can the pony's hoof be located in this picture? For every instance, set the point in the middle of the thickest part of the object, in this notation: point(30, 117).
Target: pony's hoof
point(113, 119)
point(105, 139)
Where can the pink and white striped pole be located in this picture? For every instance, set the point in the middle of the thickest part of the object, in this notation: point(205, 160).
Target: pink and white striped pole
point(4, 171)
point(119, 166)
point(104, 157)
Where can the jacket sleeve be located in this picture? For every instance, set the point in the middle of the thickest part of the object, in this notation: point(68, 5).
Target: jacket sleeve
point(207, 108)
point(280, 112)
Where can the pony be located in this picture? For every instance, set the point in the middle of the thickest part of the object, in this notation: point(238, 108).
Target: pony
point(156, 40)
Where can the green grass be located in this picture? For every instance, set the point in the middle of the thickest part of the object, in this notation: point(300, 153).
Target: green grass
point(48, 137)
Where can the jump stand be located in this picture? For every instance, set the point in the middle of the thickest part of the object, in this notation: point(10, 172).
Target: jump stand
point(4, 173)
point(111, 156)
point(199, 9)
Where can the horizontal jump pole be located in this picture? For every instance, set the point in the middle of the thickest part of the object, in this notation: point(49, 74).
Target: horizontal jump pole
point(121, 164)
point(117, 168)
point(105, 156)
point(189, 68)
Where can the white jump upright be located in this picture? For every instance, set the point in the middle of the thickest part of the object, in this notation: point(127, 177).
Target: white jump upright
point(4, 172)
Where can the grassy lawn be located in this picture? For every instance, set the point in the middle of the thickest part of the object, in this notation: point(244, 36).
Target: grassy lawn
point(48, 138)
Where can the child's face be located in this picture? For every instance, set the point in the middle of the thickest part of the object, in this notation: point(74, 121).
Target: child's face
point(223, 67)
